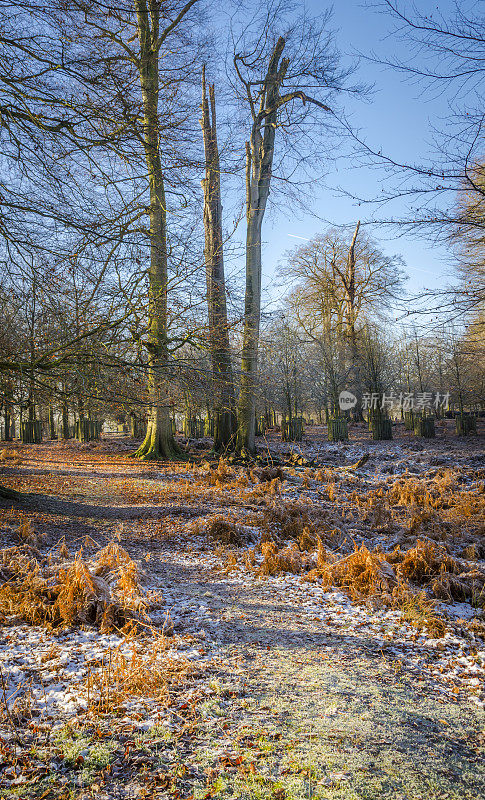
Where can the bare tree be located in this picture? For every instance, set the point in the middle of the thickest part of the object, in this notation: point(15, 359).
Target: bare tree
point(273, 87)
point(222, 377)
point(340, 284)
point(444, 56)
point(468, 239)
point(159, 441)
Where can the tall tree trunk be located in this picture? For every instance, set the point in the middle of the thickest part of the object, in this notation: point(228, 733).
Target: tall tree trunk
point(222, 378)
point(159, 441)
point(65, 417)
point(252, 313)
point(80, 403)
point(418, 362)
point(31, 399)
point(259, 163)
point(265, 100)
point(52, 426)
point(8, 410)
point(6, 416)
point(350, 285)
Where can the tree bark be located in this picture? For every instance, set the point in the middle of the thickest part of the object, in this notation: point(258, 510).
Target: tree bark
point(52, 426)
point(259, 162)
point(8, 411)
point(222, 377)
point(265, 100)
point(159, 441)
point(350, 289)
point(8, 436)
point(252, 314)
point(65, 417)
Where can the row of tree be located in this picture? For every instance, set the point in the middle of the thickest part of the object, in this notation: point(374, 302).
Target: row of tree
point(332, 334)
point(98, 122)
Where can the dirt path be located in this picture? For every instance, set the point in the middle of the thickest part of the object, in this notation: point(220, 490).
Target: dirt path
point(320, 713)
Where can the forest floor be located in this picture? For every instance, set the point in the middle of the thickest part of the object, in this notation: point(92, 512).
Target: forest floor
point(310, 627)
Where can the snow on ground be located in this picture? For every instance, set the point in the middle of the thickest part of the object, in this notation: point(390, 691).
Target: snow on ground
point(455, 662)
point(51, 668)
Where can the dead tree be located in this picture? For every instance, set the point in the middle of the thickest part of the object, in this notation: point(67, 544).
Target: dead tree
point(222, 377)
point(266, 99)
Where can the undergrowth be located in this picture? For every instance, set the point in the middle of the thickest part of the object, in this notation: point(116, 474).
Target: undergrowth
point(103, 591)
point(148, 671)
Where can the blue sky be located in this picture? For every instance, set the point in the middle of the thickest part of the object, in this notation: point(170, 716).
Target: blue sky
point(396, 118)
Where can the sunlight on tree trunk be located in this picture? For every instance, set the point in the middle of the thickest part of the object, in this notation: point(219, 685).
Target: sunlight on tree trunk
point(159, 441)
point(259, 162)
point(222, 378)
